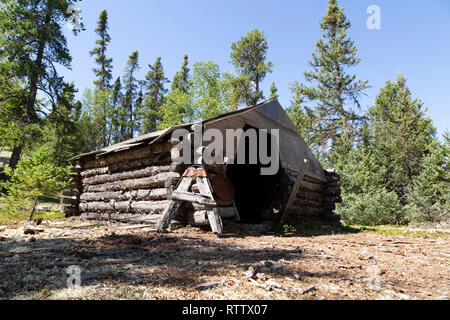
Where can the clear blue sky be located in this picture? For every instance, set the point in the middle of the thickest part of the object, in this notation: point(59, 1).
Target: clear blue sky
point(414, 40)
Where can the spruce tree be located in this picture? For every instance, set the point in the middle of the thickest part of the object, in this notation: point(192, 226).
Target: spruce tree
point(104, 70)
point(181, 78)
point(131, 86)
point(400, 135)
point(429, 196)
point(333, 88)
point(273, 92)
point(154, 97)
point(249, 56)
point(300, 117)
point(62, 128)
point(116, 112)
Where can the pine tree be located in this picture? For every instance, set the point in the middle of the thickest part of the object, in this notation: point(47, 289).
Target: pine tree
point(249, 56)
point(273, 92)
point(117, 120)
point(131, 86)
point(32, 43)
point(181, 78)
point(62, 130)
point(429, 195)
point(154, 97)
point(400, 135)
point(104, 70)
point(333, 87)
point(299, 116)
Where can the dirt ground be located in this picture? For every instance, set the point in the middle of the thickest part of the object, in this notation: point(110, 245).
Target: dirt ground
point(119, 261)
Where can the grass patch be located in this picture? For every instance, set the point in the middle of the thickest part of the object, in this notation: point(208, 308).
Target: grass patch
point(311, 226)
point(390, 230)
point(12, 218)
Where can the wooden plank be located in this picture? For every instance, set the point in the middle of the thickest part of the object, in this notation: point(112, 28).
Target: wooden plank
point(238, 216)
point(194, 198)
point(213, 213)
point(184, 185)
point(294, 192)
point(215, 221)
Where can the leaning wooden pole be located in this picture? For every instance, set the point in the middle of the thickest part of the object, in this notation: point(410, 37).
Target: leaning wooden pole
point(294, 192)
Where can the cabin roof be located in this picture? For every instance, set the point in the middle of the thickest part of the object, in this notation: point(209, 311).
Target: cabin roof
point(266, 115)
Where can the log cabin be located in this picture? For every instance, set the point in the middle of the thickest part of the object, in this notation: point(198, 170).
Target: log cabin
point(139, 181)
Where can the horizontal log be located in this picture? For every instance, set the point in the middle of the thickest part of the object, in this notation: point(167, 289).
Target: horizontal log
point(76, 170)
point(333, 191)
point(142, 173)
point(225, 212)
point(312, 186)
point(332, 199)
point(194, 198)
point(307, 184)
point(305, 211)
point(93, 172)
point(70, 201)
point(334, 184)
point(152, 194)
point(313, 180)
point(125, 206)
point(198, 218)
point(140, 218)
point(306, 203)
point(172, 181)
point(157, 181)
point(310, 195)
point(127, 155)
point(70, 193)
point(70, 211)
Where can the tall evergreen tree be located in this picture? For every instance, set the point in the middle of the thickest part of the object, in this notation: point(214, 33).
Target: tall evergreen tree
point(249, 56)
point(116, 112)
point(104, 70)
point(154, 97)
point(334, 89)
point(181, 78)
point(273, 92)
point(63, 130)
point(299, 116)
point(31, 44)
point(429, 196)
point(102, 93)
point(400, 135)
point(131, 86)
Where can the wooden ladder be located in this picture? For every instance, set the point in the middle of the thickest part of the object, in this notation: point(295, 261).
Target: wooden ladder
point(183, 193)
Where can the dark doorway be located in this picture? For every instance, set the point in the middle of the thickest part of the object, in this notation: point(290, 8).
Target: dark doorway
point(256, 195)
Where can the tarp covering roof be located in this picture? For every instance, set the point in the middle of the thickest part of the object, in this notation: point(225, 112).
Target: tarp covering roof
point(267, 115)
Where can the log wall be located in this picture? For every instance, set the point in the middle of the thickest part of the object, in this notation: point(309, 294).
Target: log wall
point(316, 198)
point(135, 185)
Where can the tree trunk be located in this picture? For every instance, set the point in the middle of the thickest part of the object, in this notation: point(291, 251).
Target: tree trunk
point(15, 157)
point(33, 209)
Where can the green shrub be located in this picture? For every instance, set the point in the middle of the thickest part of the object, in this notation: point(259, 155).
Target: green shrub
point(34, 177)
point(429, 196)
point(376, 207)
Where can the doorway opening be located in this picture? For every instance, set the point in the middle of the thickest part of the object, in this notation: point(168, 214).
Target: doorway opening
point(257, 197)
